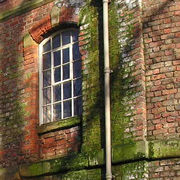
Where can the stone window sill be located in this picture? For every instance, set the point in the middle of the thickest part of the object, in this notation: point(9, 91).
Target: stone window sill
point(61, 124)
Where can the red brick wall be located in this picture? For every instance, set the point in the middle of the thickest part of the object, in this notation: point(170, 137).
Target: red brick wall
point(162, 42)
point(154, 62)
point(164, 169)
point(59, 143)
point(21, 142)
point(133, 69)
point(8, 4)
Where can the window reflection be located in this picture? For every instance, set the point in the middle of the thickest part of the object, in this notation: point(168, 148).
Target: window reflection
point(66, 55)
point(46, 78)
point(57, 93)
point(65, 37)
point(56, 41)
point(77, 87)
point(46, 61)
point(57, 58)
point(47, 96)
point(67, 109)
point(57, 111)
point(47, 46)
point(67, 90)
point(77, 69)
point(57, 75)
point(66, 72)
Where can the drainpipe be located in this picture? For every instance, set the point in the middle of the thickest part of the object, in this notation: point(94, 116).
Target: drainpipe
point(107, 91)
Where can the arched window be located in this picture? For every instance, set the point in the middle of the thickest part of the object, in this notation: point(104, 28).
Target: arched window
point(60, 77)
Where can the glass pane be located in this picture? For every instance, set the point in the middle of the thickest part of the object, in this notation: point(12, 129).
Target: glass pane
point(56, 41)
point(47, 114)
point(46, 96)
point(67, 90)
point(77, 69)
point(66, 72)
point(47, 46)
point(46, 61)
point(78, 106)
point(65, 38)
point(66, 55)
point(57, 111)
point(67, 109)
point(75, 36)
point(57, 93)
point(57, 58)
point(76, 53)
point(77, 87)
point(57, 74)
point(46, 78)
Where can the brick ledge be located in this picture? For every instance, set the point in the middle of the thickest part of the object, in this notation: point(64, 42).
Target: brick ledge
point(22, 9)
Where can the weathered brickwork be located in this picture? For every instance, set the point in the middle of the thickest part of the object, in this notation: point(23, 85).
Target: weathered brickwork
point(19, 78)
point(165, 169)
point(59, 143)
point(10, 4)
point(145, 91)
point(18, 46)
point(161, 39)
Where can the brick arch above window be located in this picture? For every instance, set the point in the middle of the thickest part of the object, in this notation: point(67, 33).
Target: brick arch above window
point(65, 15)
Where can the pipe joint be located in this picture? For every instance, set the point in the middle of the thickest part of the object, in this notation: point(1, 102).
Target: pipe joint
point(107, 70)
point(105, 1)
point(109, 177)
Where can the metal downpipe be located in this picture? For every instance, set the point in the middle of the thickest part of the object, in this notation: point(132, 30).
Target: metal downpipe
point(107, 91)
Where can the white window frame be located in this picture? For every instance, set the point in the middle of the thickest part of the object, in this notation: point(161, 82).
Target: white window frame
point(71, 79)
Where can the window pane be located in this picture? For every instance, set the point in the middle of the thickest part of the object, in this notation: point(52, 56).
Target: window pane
point(57, 111)
point(57, 93)
point(57, 58)
point(77, 87)
point(78, 106)
point(56, 41)
point(46, 78)
point(46, 96)
point(67, 90)
point(66, 55)
point(65, 38)
point(46, 61)
point(77, 69)
point(57, 74)
point(76, 53)
point(47, 114)
point(47, 46)
point(67, 109)
point(66, 72)
point(75, 36)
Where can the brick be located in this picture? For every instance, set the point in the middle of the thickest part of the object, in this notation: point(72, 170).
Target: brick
point(158, 99)
point(159, 76)
point(170, 91)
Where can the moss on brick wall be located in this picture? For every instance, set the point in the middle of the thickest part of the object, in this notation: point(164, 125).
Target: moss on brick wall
point(92, 94)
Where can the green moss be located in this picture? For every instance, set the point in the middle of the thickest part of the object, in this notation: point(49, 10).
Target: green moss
point(164, 149)
point(28, 41)
point(96, 158)
point(66, 123)
point(121, 94)
point(92, 115)
point(54, 166)
point(136, 170)
point(82, 175)
point(128, 152)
